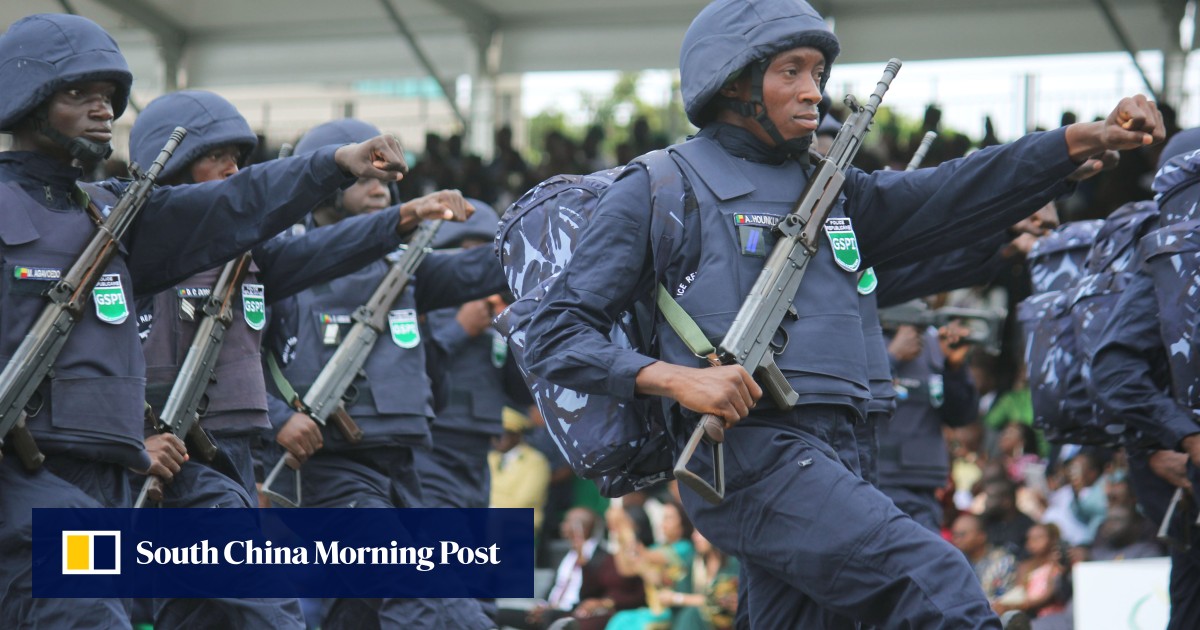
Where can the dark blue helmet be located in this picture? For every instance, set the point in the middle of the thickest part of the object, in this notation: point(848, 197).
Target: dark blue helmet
point(41, 53)
point(729, 35)
point(211, 122)
point(344, 131)
point(482, 225)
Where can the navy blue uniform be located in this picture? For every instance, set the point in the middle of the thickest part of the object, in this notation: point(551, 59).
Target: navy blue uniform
point(900, 283)
point(1132, 372)
point(394, 404)
point(794, 471)
point(90, 421)
point(913, 461)
point(1130, 380)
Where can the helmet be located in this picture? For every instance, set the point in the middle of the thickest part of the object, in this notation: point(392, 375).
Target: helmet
point(211, 122)
point(729, 35)
point(481, 225)
point(344, 131)
point(41, 53)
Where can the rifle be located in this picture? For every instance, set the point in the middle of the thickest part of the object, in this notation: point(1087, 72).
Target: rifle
point(181, 413)
point(748, 341)
point(922, 151)
point(985, 325)
point(34, 359)
point(324, 400)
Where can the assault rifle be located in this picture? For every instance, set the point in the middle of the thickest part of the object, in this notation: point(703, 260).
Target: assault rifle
point(985, 325)
point(34, 359)
point(749, 340)
point(181, 413)
point(323, 401)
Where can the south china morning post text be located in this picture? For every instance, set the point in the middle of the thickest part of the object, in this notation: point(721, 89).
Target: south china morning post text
point(283, 552)
point(237, 552)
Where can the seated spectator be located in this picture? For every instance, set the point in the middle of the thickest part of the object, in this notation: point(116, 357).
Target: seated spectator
point(713, 604)
point(1122, 536)
point(1037, 591)
point(664, 566)
point(995, 567)
point(1006, 525)
point(1090, 505)
point(578, 568)
point(520, 473)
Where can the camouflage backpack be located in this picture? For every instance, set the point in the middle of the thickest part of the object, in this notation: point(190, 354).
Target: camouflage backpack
point(1172, 257)
point(622, 445)
point(1051, 360)
point(1109, 265)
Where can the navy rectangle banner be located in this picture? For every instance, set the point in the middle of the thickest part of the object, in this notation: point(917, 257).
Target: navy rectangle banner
point(311, 552)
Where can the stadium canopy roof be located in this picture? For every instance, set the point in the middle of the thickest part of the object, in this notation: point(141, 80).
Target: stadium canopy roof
point(236, 42)
point(223, 43)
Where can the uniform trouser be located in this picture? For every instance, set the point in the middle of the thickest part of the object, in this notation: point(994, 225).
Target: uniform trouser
point(866, 434)
point(455, 472)
point(62, 482)
point(216, 484)
point(819, 542)
point(1154, 495)
point(380, 477)
point(920, 504)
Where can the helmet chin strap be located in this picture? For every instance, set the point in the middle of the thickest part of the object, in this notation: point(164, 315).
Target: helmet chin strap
point(756, 108)
point(81, 149)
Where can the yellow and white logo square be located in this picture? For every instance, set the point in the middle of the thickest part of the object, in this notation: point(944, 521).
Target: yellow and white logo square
point(91, 552)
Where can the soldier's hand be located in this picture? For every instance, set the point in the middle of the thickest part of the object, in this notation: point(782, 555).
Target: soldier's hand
point(1134, 122)
point(448, 205)
point(905, 344)
point(167, 455)
point(1172, 468)
point(301, 436)
point(378, 158)
point(726, 391)
point(475, 317)
point(952, 340)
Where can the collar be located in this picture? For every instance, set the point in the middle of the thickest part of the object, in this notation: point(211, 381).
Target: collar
point(743, 144)
point(38, 169)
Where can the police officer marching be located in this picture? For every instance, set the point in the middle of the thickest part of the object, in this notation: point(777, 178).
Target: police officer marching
point(234, 404)
point(821, 546)
point(393, 401)
point(65, 82)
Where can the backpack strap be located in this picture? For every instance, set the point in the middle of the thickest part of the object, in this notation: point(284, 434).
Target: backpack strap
point(684, 326)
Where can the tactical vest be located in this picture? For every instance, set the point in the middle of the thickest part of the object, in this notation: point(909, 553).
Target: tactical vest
point(392, 404)
point(879, 368)
point(1172, 257)
point(823, 354)
point(93, 406)
point(912, 451)
point(236, 398)
point(475, 398)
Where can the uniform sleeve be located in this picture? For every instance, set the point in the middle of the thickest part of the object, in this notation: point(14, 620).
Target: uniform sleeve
point(1128, 368)
point(290, 264)
point(184, 230)
point(908, 214)
point(450, 279)
point(447, 332)
point(567, 339)
point(965, 267)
